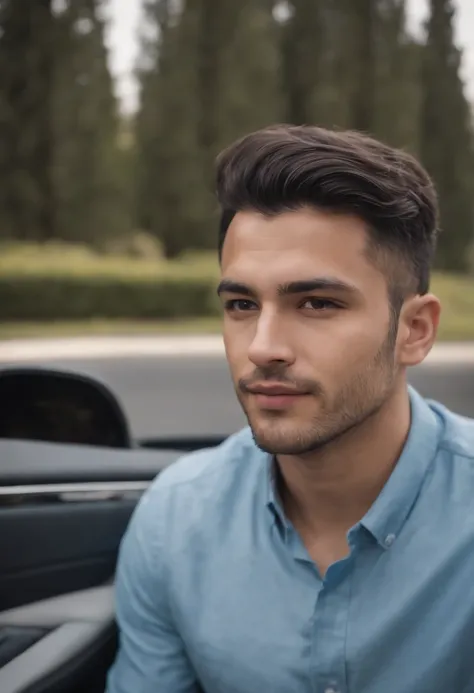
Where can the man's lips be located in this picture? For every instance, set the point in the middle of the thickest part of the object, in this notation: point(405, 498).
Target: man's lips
point(274, 396)
point(271, 389)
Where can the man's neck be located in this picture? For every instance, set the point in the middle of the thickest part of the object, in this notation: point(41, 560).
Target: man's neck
point(331, 489)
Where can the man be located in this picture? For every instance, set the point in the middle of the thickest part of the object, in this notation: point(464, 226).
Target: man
point(329, 548)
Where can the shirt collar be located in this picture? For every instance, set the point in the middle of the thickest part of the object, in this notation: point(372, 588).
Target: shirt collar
point(272, 498)
point(385, 519)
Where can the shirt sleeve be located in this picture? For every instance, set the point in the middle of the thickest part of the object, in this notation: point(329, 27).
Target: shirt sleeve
point(151, 656)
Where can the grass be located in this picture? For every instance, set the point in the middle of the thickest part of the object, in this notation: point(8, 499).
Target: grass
point(456, 293)
point(33, 330)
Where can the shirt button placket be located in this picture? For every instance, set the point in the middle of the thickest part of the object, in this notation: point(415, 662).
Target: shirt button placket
point(329, 643)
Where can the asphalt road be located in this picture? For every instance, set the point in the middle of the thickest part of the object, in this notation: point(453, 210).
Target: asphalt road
point(194, 395)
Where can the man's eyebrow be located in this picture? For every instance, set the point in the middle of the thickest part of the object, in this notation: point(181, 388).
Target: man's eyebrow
point(303, 286)
point(229, 286)
point(300, 286)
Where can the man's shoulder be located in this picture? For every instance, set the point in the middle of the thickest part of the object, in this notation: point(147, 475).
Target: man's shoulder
point(458, 432)
point(211, 473)
point(216, 461)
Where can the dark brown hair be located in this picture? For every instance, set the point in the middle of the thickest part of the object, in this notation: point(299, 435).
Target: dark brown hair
point(285, 167)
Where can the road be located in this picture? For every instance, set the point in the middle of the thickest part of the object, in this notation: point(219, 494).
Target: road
point(193, 395)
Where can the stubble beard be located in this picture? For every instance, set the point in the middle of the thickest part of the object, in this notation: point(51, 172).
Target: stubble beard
point(358, 401)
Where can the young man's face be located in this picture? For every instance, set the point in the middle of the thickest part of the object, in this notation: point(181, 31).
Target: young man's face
point(307, 327)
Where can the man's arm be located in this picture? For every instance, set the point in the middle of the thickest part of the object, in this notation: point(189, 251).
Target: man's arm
point(151, 657)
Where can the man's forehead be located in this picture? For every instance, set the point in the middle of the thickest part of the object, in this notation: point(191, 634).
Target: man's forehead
point(310, 233)
point(278, 268)
point(295, 246)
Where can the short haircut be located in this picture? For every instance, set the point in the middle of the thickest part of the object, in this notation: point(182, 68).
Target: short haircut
point(286, 167)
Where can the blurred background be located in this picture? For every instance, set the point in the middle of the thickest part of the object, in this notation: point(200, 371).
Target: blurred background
point(112, 113)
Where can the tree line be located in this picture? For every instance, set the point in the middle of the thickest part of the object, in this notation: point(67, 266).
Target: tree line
point(74, 168)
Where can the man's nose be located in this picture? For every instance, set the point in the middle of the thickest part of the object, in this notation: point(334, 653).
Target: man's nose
point(272, 341)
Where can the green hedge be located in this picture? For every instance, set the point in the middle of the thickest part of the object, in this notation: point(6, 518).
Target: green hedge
point(30, 297)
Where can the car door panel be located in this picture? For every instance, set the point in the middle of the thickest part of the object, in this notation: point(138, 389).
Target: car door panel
point(63, 511)
point(73, 628)
point(75, 546)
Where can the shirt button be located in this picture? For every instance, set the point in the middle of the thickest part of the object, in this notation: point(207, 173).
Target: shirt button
point(389, 539)
point(332, 687)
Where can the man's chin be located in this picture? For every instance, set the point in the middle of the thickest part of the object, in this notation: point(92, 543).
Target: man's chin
point(283, 442)
point(283, 447)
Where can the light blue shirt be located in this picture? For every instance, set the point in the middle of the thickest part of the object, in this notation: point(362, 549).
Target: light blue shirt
point(214, 585)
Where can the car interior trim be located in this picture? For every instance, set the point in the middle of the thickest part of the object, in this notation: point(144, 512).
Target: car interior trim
point(56, 650)
point(94, 490)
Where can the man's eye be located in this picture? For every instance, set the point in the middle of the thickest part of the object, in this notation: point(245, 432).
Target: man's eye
point(239, 305)
point(319, 304)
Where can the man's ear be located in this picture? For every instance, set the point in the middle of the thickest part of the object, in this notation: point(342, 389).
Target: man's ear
point(417, 330)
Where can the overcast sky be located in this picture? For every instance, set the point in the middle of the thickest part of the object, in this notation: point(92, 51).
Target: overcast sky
point(125, 18)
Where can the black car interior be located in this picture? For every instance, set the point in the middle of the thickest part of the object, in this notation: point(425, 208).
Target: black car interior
point(60, 407)
point(70, 477)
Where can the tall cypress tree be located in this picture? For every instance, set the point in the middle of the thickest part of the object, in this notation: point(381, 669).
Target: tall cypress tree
point(397, 72)
point(362, 26)
point(303, 50)
point(446, 137)
point(170, 175)
point(350, 64)
point(88, 162)
point(209, 74)
point(250, 68)
point(27, 73)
